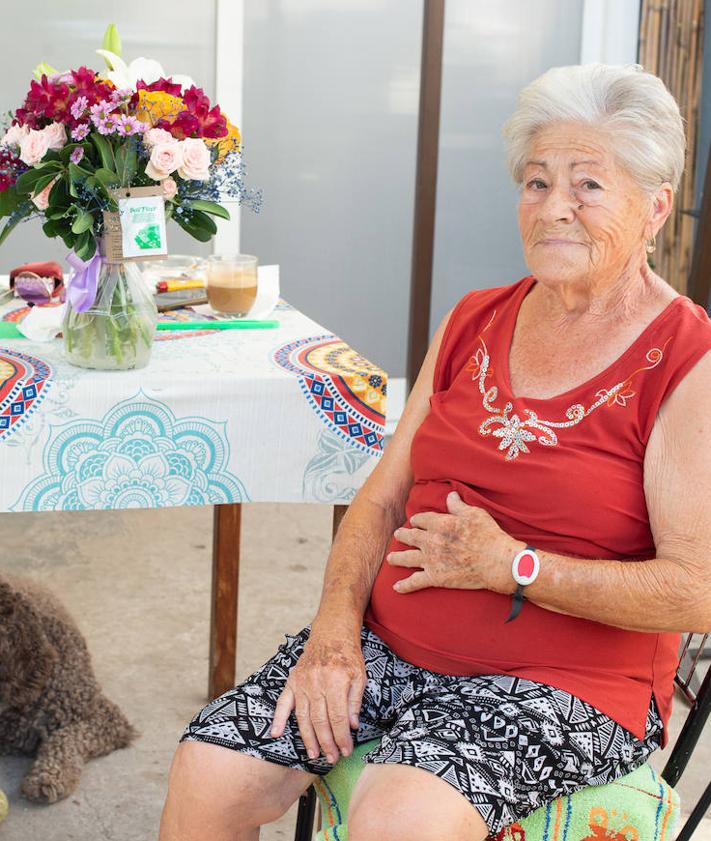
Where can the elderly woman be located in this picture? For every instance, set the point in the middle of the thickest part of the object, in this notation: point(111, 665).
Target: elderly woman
point(502, 602)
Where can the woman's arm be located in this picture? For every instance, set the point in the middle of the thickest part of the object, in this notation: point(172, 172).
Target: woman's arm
point(326, 686)
point(670, 592)
point(376, 510)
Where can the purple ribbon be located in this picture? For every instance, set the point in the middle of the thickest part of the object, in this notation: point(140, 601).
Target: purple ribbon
point(83, 282)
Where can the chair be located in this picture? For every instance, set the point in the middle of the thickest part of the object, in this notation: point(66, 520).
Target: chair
point(697, 692)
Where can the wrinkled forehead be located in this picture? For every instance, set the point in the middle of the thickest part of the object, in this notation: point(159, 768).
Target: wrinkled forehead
point(569, 147)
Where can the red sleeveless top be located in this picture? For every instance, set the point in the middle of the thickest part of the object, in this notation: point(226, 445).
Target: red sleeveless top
point(537, 466)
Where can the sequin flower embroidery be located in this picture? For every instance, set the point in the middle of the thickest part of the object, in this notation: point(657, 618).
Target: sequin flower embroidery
point(516, 433)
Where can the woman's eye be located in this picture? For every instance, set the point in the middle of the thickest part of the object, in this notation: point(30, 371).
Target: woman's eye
point(593, 185)
point(535, 182)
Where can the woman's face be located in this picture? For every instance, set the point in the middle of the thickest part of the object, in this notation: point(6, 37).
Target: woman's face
point(581, 216)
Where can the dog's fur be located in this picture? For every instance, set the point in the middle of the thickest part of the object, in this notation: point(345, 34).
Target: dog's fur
point(51, 705)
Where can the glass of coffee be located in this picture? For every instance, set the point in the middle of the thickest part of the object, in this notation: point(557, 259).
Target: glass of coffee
point(232, 283)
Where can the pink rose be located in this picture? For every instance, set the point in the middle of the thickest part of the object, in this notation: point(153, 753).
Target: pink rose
point(41, 200)
point(154, 136)
point(56, 135)
point(33, 147)
point(14, 135)
point(165, 158)
point(170, 188)
point(196, 160)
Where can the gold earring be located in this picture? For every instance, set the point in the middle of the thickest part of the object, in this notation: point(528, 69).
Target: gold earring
point(650, 245)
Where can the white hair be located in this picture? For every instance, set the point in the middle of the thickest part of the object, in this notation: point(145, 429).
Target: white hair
point(634, 106)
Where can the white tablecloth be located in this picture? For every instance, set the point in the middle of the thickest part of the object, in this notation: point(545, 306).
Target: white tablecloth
point(285, 415)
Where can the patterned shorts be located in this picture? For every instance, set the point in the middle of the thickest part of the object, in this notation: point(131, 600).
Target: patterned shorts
point(509, 745)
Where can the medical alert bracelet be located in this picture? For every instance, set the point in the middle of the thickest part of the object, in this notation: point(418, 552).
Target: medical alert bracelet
point(524, 568)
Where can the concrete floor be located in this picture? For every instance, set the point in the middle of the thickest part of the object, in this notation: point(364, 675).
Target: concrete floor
point(138, 583)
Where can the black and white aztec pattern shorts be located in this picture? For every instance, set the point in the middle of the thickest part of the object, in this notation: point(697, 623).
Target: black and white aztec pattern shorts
point(509, 745)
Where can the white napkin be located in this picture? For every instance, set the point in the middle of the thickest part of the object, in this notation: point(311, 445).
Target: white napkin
point(5, 288)
point(41, 324)
point(267, 295)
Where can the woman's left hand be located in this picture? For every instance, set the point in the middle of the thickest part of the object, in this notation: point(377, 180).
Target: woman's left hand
point(464, 550)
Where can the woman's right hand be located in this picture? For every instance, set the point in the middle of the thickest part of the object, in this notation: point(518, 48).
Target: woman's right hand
point(325, 688)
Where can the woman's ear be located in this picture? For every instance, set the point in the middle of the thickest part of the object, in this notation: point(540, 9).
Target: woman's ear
point(662, 203)
point(29, 657)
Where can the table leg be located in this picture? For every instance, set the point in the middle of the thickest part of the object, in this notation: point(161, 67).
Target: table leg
point(225, 593)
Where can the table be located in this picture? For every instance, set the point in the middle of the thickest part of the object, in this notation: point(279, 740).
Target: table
point(219, 418)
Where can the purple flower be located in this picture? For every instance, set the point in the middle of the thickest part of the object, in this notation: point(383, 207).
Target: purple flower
point(80, 132)
point(77, 155)
point(127, 126)
point(118, 97)
point(79, 107)
point(100, 112)
point(106, 126)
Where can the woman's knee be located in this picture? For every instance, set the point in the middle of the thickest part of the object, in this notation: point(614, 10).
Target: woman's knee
point(207, 779)
point(402, 803)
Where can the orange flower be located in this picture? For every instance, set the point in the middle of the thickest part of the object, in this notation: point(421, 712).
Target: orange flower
point(229, 143)
point(157, 105)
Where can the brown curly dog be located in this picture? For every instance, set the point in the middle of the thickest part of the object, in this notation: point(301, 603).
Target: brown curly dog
point(51, 705)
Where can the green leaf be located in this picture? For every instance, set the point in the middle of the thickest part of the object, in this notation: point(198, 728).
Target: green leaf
point(127, 162)
point(85, 246)
point(59, 195)
point(209, 207)
point(52, 227)
point(43, 182)
point(47, 165)
point(68, 238)
point(9, 199)
point(83, 222)
point(9, 227)
point(77, 175)
point(56, 212)
point(26, 182)
point(196, 227)
point(103, 147)
point(107, 181)
point(107, 178)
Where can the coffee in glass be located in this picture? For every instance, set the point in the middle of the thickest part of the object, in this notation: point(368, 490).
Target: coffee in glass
point(232, 283)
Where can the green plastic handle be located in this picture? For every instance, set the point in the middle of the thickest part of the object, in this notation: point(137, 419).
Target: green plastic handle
point(241, 324)
point(9, 330)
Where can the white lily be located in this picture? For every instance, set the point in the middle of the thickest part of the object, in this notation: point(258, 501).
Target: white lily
point(126, 76)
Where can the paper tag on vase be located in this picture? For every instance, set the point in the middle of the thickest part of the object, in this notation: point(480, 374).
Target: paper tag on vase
point(143, 226)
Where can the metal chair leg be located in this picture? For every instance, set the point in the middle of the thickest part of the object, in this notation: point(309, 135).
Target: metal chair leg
point(305, 816)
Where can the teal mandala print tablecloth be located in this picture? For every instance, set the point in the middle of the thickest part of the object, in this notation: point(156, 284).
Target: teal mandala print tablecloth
point(286, 415)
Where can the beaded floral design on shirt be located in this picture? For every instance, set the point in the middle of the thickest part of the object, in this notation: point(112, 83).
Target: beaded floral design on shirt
point(515, 432)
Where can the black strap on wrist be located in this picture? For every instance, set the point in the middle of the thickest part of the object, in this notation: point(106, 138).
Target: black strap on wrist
point(517, 599)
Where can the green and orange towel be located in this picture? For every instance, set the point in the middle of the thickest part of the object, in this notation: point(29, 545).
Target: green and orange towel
point(637, 807)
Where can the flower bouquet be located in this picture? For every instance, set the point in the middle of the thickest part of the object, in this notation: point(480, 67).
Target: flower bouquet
point(90, 152)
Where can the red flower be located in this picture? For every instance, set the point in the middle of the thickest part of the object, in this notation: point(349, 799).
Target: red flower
point(48, 101)
point(44, 102)
point(198, 119)
point(173, 88)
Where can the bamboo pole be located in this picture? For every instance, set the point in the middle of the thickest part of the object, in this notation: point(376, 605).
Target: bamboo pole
point(671, 47)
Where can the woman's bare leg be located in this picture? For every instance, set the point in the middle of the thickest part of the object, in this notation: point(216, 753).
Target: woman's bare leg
point(219, 794)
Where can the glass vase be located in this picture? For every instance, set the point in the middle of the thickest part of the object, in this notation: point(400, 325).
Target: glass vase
point(116, 332)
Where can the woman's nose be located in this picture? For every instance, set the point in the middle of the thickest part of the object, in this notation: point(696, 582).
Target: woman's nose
point(559, 203)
